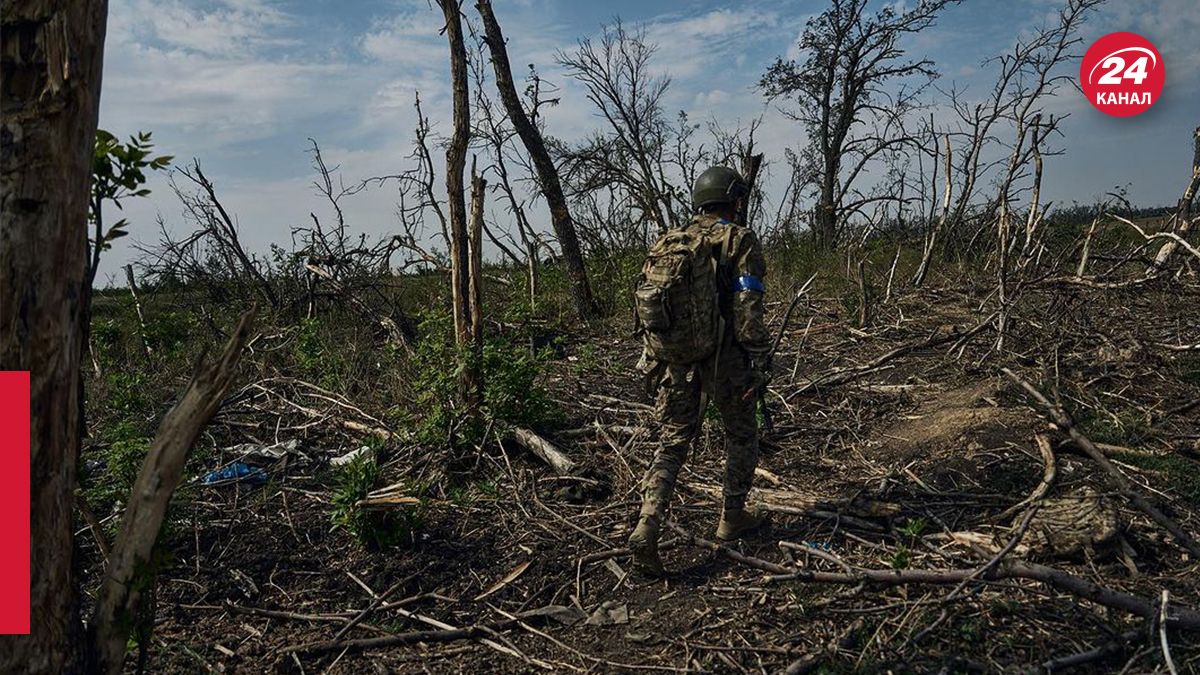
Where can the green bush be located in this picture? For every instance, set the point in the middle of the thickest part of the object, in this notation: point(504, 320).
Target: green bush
point(106, 341)
point(168, 332)
point(109, 485)
point(375, 529)
point(128, 393)
point(511, 396)
point(317, 357)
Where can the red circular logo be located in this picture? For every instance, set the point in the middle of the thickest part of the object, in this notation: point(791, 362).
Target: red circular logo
point(1122, 74)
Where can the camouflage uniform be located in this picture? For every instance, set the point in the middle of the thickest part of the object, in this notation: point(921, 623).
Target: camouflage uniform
point(732, 387)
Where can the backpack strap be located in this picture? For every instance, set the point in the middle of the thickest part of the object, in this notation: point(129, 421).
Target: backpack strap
point(722, 258)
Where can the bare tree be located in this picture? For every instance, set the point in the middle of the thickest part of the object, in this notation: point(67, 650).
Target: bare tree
point(551, 186)
point(456, 157)
point(49, 100)
point(220, 230)
point(936, 226)
point(616, 75)
point(852, 59)
point(1028, 73)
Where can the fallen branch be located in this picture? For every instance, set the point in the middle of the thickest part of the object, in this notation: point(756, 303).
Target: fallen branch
point(1049, 471)
point(793, 503)
point(395, 334)
point(544, 449)
point(397, 639)
point(1118, 645)
point(1063, 421)
point(843, 375)
point(1177, 617)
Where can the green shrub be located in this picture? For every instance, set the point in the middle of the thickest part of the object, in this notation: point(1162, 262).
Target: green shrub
point(106, 341)
point(123, 451)
point(128, 393)
point(319, 359)
point(168, 332)
point(375, 529)
point(511, 396)
point(1181, 473)
point(1125, 428)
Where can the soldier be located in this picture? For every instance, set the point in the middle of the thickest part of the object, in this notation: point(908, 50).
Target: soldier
point(700, 312)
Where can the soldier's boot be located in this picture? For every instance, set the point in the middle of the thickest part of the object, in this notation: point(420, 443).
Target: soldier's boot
point(643, 544)
point(736, 523)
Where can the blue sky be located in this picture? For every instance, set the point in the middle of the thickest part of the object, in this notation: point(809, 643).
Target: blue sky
point(242, 85)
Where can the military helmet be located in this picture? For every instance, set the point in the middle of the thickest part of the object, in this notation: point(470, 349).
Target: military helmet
point(718, 185)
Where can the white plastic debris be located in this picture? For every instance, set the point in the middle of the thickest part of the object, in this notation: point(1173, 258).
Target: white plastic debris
point(350, 456)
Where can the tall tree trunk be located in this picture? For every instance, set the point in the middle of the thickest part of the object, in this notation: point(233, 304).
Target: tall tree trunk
point(456, 160)
point(938, 226)
point(825, 221)
point(560, 215)
point(51, 56)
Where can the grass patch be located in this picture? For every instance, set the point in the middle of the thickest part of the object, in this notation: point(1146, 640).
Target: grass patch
point(1181, 474)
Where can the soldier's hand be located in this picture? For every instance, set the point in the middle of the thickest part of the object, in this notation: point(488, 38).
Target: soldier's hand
point(760, 377)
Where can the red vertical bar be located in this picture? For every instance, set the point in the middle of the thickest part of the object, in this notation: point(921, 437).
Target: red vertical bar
point(14, 502)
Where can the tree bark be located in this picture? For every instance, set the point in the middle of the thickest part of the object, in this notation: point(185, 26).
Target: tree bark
point(51, 56)
point(475, 286)
point(560, 215)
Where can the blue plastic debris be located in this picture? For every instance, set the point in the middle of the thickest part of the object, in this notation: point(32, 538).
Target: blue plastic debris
point(238, 471)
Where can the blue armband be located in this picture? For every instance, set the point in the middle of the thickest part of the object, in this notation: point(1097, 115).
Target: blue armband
point(749, 282)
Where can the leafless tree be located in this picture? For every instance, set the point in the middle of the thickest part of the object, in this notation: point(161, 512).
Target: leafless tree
point(497, 139)
point(616, 74)
point(456, 156)
point(217, 228)
point(49, 99)
point(846, 96)
point(1028, 73)
point(547, 172)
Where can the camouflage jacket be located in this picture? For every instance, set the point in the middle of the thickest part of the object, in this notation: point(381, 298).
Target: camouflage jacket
point(740, 255)
point(742, 310)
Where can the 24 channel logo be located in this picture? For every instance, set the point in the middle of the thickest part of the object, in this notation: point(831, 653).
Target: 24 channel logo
point(1122, 74)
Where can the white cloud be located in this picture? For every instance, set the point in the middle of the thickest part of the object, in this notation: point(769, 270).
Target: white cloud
point(407, 39)
point(229, 28)
point(711, 98)
point(708, 44)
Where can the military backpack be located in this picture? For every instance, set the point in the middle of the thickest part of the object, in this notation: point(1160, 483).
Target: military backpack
point(676, 295)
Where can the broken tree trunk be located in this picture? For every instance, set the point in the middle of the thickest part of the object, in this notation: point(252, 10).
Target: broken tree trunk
point(548, 180)
point(1183, 210)
point(456, 159)
point(124, 583)
point(751, 164)
point(49, 99)
point(474, 373)
point(137, 305)
point(931, 242)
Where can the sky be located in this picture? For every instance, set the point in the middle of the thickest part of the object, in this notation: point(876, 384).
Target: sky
point(241, 85)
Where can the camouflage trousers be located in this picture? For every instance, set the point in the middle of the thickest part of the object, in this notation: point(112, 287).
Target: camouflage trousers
point(678, 408)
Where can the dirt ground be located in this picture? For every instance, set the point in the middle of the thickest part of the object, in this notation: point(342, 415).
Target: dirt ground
point(887, 466)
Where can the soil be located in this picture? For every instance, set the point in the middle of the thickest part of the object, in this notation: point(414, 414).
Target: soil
point(937, 434)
